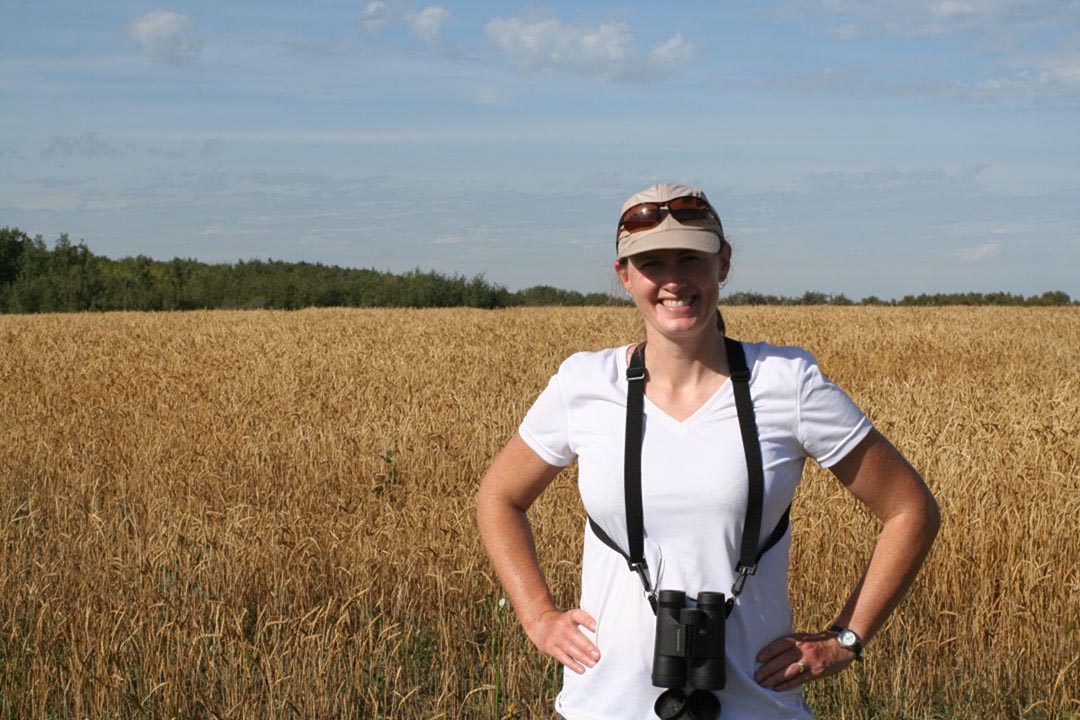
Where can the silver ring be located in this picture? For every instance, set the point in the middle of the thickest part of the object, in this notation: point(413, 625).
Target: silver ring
point(802, 667)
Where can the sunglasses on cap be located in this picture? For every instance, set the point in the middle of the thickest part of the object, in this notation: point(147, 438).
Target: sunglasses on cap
point(650, 214)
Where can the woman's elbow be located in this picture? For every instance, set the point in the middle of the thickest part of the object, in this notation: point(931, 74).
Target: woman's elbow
point(485, 501)
point(931, 516)
point(924, 514)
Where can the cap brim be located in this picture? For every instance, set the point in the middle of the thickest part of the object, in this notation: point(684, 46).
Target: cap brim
point(678, 238)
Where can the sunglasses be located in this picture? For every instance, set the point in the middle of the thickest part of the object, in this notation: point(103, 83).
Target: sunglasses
point(686, 209)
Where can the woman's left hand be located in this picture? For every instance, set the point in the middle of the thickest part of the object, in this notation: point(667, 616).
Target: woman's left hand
point(798, 658)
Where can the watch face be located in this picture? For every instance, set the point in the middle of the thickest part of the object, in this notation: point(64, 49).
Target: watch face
point(847, 638)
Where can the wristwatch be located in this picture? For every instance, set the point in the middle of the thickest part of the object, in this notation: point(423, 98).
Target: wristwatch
point(848, 640)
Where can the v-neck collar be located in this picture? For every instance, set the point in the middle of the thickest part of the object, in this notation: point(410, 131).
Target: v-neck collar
point(701, 409)
point(723, 390)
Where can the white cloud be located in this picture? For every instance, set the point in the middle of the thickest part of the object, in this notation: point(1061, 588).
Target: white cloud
point(846, 31)
point(87, 145)
point(672, 52)
point(988, 18)
point(211, 149)
point(449, 240)
point(218, 230)
point(375, 15)
point(489, 96)
point(892, 182)
point(163, 37)
point(1035, 40)
point(986, 251)
point(427, 24)
point(607, 51)
point(1044, 77)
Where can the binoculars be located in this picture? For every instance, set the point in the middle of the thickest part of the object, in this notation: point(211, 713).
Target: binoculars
point(689, 651)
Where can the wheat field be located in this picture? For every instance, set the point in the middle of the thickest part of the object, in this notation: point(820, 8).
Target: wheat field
point(270, 514)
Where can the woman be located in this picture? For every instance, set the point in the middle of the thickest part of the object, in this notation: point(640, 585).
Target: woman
point(672, 259)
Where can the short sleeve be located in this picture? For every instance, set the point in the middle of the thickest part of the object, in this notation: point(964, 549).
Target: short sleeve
point(830, 423)
point(546, 427)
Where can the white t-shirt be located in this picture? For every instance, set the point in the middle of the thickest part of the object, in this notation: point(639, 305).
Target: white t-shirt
point(694, 493)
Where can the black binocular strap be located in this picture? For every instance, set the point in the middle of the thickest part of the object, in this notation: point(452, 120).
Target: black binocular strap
point(755, 468)
point(635, 410)
point(749, 554)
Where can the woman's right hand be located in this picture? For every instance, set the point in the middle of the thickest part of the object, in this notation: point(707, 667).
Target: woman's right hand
point(556, 633)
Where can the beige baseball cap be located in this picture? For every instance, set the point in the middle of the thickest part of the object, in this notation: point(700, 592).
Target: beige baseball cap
point(704, 236)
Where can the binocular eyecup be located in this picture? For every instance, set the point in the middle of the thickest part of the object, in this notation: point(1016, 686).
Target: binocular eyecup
point(674, 704)
point(689, 652)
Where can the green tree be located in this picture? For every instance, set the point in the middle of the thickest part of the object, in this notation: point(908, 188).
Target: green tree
point(813, 298)
point(1049, 298)
point(12, 242)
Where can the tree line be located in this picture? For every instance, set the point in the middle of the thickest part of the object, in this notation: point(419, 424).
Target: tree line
point(68, 277)
point(1046, 299)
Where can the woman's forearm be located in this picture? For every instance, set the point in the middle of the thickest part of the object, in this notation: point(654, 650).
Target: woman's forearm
point(508, 539)
point(514, 481)
point(905, 539)
point(883, 480)
point(901, 548)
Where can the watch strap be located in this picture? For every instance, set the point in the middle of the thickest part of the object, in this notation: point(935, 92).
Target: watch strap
point(857, 647)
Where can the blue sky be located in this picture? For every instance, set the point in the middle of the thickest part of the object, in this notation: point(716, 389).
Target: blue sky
point(864, 147)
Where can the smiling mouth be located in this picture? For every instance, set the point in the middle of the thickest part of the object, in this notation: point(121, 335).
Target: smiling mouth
point(676, 302)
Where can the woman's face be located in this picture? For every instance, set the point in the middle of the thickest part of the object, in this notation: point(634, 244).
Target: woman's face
point(676, 291)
